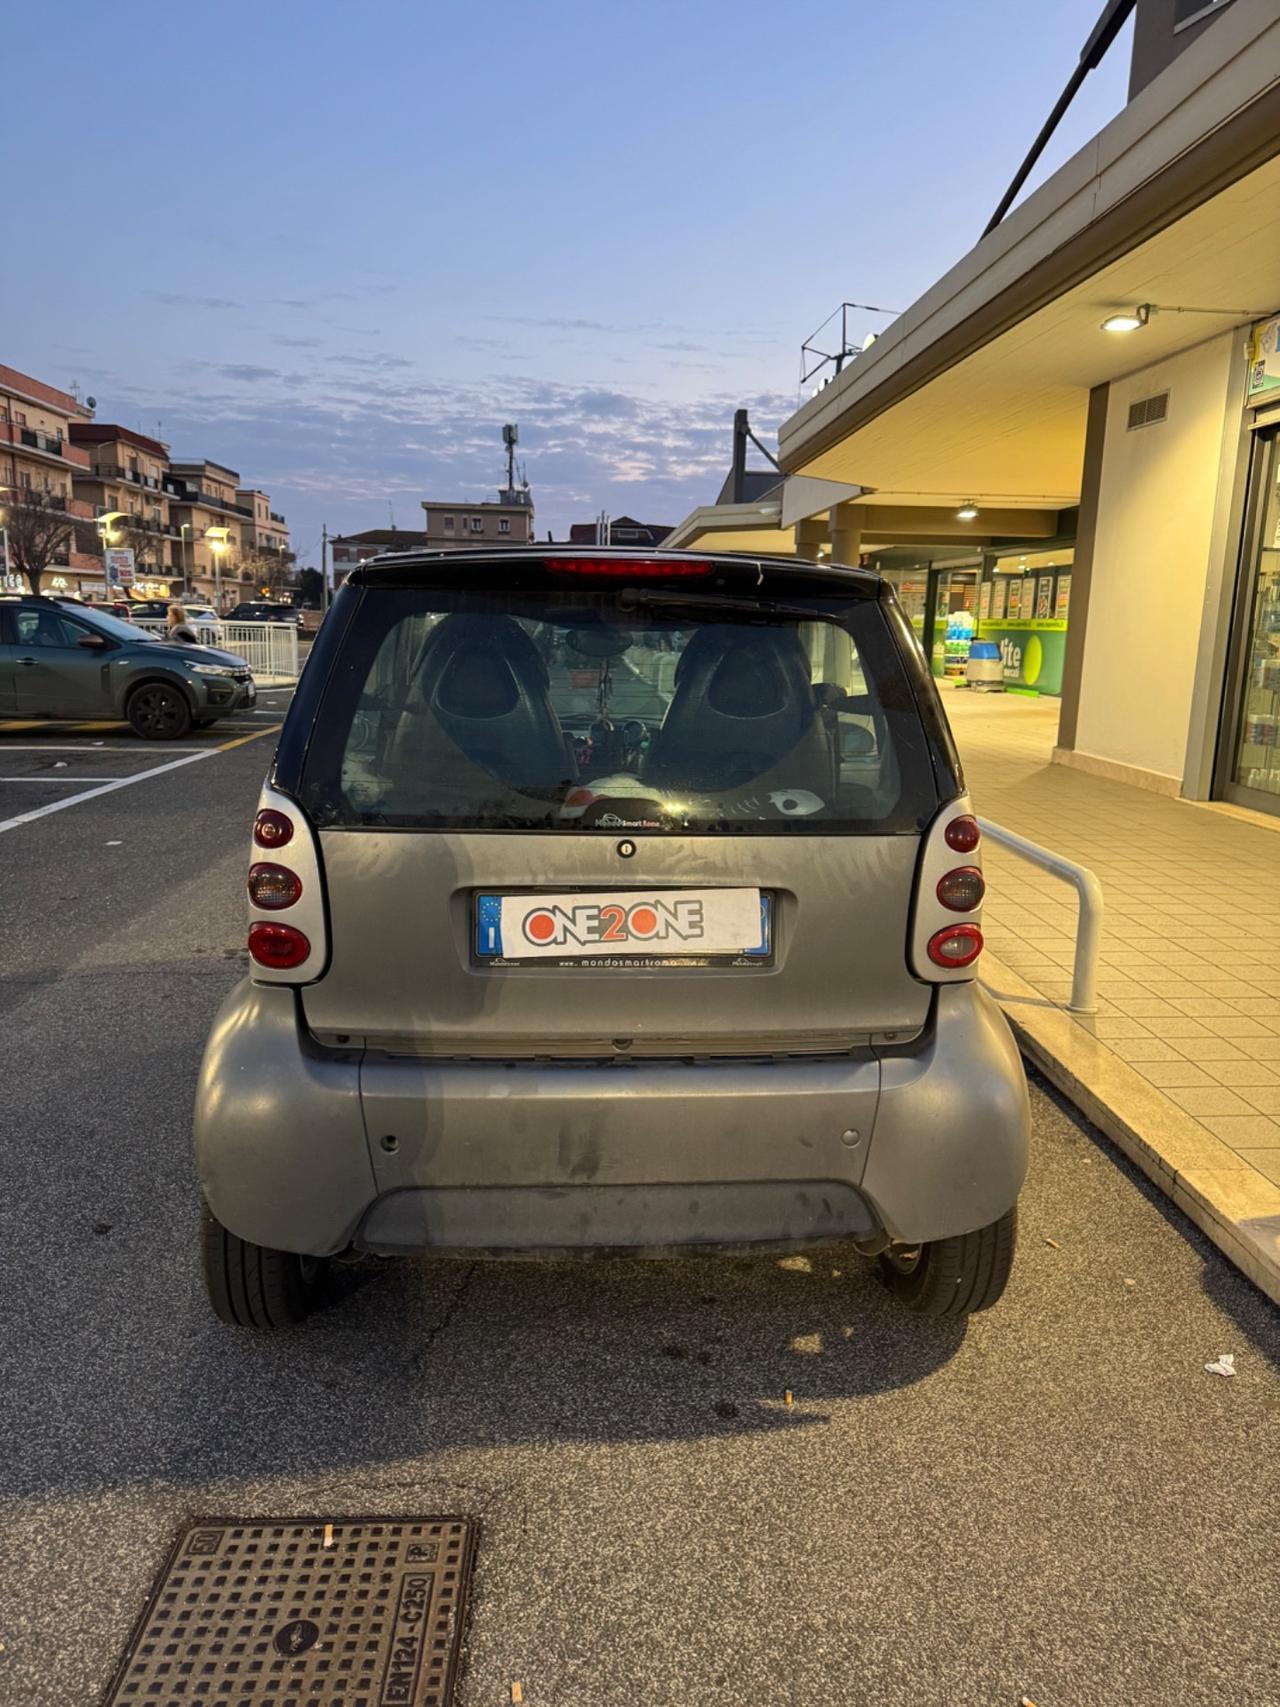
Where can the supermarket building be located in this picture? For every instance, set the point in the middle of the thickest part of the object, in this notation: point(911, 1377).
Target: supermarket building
point(1103, 503)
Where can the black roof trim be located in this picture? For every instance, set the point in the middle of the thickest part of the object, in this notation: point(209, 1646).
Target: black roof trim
point(390, 569)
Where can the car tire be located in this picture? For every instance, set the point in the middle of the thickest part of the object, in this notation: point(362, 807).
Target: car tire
point(253, 1286)
point(158, 711)
point(957, 1276)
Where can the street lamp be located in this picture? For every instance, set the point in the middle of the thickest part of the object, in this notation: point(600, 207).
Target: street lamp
point(217, 541)
point(108, 535)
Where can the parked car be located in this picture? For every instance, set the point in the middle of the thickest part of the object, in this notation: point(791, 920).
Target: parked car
point(609, 902)
point(63, 660)
point(261, 610)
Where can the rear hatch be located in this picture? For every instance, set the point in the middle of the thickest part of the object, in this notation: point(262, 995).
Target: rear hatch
point(609, 806)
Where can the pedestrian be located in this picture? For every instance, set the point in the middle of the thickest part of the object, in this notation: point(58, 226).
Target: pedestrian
point(179, 628)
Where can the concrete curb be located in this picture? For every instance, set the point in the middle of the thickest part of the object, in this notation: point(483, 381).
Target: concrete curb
point(1228, 1199)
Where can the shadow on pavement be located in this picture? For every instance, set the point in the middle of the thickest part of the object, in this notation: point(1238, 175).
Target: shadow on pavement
point(426, 1357)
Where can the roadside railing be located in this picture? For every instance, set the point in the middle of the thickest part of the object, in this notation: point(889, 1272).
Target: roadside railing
point(269, 648)
point(1084, 976)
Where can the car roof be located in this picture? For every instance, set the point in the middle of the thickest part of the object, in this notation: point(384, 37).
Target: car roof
point(386, 564)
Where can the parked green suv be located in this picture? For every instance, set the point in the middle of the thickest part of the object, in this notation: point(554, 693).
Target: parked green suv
point(65, 660)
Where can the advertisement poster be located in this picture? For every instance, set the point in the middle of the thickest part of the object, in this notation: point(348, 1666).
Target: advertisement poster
point(1064, 598)
point(1044, 598)
point(999, 598)
point(1015, 598)
point(984, 601)
point(119, 568)
point(1264, 361)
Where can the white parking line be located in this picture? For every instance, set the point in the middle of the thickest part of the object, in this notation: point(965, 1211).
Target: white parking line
point(48, 779)
point(89, 747)
point(127, 781)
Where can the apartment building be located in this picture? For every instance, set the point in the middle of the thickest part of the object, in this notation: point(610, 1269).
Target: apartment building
point(622, 530)
point(508, 521)
point(38, 466)
point(265, 539)
point(126, 479)
point(211, 523)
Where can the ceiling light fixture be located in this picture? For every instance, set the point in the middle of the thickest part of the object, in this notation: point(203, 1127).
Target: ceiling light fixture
point(968, 511)
point(1132, 320)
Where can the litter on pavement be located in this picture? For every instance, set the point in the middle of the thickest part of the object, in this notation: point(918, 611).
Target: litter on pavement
point(1226, 1364)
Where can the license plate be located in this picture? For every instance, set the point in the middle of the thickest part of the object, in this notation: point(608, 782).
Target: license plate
point(608, 927)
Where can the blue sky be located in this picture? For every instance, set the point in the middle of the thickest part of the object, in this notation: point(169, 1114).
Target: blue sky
point(336, 245)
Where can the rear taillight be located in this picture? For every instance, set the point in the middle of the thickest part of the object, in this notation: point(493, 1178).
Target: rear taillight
point(278, 946)
point(942, 947)
point(961, 890)
point(272, 829)
point(298, 952)
point(629, 568)
point(273, 887)
point(962, 834)
point(956, 946)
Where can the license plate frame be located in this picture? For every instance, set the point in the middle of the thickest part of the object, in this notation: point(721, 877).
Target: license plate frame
point(492, 945)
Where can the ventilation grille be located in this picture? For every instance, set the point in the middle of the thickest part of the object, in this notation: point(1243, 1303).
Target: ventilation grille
point(1148, 410)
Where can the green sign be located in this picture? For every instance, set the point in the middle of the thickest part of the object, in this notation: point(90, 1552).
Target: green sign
point(1032, 653)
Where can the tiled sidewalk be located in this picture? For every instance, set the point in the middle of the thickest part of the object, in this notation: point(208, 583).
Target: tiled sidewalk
point(1190, 975)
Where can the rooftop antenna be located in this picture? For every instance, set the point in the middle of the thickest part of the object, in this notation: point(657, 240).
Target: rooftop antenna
point(392, 514)
point(511, 438)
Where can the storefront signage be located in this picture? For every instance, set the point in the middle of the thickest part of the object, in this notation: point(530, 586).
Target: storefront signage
point(1264, 361)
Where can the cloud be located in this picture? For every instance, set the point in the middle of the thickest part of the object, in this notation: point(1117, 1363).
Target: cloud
point(300, 343)
point(246, 372)
point(605, 405)
point(175, 299)
point(333, 444)
point(382, 361)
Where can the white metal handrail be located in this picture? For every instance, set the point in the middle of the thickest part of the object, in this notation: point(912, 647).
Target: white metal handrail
point(1084, 975)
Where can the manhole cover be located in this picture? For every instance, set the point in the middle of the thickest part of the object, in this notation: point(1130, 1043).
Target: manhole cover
point(360, 1612)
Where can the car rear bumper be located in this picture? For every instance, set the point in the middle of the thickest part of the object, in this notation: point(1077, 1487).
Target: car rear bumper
point(312, 1150)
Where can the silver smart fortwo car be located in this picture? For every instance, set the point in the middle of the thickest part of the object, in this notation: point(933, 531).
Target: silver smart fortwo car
point(604, 902)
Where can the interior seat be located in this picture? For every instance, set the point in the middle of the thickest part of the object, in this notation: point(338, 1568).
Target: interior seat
point(481, 700)
point(743, 713)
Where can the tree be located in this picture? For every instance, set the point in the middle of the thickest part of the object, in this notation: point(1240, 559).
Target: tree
point(39, 535)
point(310, 589)
point(270, 572)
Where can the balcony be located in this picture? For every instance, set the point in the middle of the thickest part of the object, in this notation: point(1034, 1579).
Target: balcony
point(135, 477)
point(40, 441)
point(42, 444)
point(32, 495)
point(193, 497)
point(276, 517)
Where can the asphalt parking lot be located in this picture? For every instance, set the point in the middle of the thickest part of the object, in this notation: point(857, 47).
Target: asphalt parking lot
point(1055, 1501)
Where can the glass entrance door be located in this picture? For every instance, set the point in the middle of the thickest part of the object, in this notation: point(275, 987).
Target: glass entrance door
point(1252, 738)
point(955, 616)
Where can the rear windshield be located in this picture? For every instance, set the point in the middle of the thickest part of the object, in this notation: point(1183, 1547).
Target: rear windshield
point(617, 709)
